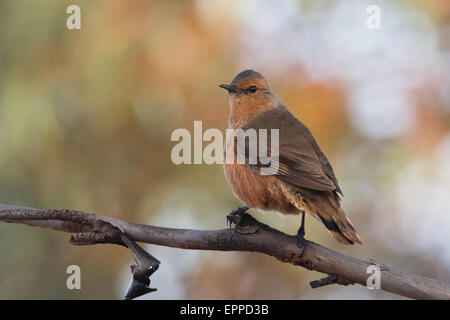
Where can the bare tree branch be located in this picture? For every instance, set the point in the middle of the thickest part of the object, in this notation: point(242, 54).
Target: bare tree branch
point(251, 235)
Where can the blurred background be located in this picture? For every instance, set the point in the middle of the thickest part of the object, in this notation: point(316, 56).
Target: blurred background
point(86, 117)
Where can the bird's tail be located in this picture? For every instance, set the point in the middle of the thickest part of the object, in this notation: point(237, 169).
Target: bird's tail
point(340, 227)
point(326, 207)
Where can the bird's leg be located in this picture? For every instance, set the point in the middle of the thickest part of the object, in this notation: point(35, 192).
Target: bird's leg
point(301, 230)
point(235, 217)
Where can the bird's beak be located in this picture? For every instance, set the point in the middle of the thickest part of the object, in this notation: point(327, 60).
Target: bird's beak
point(230, 88)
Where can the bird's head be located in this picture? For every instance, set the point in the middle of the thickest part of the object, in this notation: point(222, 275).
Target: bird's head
point(249, 94)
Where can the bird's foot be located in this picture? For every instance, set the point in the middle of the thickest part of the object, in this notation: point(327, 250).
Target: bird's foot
point(236, 217)
point(301, 233)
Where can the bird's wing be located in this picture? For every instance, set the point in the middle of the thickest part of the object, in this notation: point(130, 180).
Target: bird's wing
point(300, 160)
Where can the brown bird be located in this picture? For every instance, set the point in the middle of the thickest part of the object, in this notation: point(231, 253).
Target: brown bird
point(304, 181)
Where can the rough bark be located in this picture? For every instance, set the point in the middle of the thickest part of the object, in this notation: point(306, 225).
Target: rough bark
point(250, 235)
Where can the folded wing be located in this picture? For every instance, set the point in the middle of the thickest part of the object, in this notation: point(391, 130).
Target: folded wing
point(300, 160)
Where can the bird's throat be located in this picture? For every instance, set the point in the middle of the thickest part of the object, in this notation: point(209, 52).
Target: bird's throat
point(244, 110)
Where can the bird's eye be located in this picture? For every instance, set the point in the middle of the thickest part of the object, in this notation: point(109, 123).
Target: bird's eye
point(253, 89)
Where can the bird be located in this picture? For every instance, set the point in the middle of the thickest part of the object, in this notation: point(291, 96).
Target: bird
point(304, 181)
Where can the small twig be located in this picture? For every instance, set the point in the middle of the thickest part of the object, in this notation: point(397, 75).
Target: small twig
point(89, 238)
point(331, 279)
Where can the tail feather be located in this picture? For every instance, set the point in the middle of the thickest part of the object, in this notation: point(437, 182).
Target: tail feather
point(326, 207)
point(340, 227)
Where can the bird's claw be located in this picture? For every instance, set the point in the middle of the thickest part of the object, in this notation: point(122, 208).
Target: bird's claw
point(301, 233)
point(235, 217)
